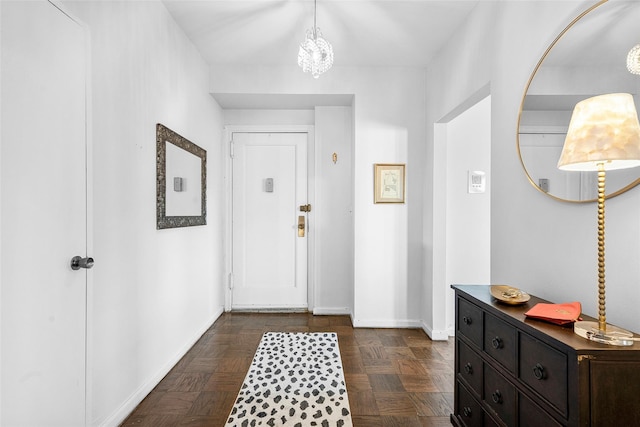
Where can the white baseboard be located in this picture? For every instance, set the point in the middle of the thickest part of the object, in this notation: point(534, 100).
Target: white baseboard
point(435, 335)
point(138, 396)
point(328, 311)
point(389, 323)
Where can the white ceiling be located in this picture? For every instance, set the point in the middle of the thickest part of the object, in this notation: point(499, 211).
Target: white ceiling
point(404, 33)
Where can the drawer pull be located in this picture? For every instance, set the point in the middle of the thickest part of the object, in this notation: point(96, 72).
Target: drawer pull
point(538, 371)
point(466, 320)
point(496, 343)
point(466, 411)
point(468, 368)
point(496, 396)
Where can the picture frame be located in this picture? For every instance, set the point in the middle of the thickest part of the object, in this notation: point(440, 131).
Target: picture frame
point(182, 203)
point(388, 182)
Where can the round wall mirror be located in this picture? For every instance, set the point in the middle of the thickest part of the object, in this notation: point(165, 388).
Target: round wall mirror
point(588, 58)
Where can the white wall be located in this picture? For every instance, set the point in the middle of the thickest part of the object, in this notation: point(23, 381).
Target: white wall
point(468, 216)
point(334, 211)
point(154, 291)
point(260, 117)
point(1, 195)
point(541, 245)
point(389, 111)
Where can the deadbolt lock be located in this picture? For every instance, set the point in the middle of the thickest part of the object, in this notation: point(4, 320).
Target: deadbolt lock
point(305, 208)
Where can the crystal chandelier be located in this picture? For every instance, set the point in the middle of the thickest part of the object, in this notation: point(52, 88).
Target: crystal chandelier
point(633, 60)
point(315, 54)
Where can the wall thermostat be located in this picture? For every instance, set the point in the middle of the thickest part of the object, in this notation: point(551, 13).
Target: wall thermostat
point(477, 180)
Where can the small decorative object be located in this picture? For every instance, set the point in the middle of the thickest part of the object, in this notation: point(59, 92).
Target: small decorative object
point(182, 159)
point(389, 183)
point(335, 158)
point(560, 314)
point(509, 294)
point(315, 54)
point(604, 134)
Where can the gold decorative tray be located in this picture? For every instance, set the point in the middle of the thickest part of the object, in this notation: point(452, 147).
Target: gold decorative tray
point(509, 294)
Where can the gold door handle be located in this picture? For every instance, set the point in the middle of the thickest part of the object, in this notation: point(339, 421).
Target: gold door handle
point(301, 226)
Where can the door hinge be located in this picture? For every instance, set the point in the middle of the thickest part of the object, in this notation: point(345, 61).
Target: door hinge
point(231, 148)
point(230, 280)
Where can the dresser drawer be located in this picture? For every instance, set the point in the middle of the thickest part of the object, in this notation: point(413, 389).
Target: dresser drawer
point(490, 422)
point(531, 415)
point(470, 367)
point(500, 341)
point(469, 410)
point(544, 369)
point(470, 321)
point(500, 395)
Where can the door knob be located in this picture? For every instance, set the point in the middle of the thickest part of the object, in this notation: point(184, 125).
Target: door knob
point(77, 262)
point(301, 226)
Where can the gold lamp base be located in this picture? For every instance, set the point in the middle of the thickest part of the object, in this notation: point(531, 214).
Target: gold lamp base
point(603, 134)
point(612, 335)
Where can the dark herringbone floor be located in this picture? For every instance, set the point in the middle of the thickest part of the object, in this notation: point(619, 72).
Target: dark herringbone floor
point(395, 377)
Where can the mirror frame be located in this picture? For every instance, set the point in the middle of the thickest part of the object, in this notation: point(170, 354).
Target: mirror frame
point(526, 90)
point(165, 136)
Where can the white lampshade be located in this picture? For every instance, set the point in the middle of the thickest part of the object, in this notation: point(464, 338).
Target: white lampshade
point(603, 130)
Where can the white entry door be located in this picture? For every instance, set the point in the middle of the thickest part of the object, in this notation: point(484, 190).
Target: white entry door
point(269, 229)
point(44, 216)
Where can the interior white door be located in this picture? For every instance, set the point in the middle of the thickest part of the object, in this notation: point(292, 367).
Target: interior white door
point(44, 219)
point(269, 250)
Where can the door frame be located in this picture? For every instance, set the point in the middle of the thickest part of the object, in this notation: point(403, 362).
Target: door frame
point(88, 365)
point(229, 130)
point(443, 305)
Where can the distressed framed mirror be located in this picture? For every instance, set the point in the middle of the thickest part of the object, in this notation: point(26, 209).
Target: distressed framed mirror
point(181, 181)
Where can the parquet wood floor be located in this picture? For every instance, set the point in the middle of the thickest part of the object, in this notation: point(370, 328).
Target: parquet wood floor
point(395, 377)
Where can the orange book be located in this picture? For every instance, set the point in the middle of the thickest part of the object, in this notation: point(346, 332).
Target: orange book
point(560, 314)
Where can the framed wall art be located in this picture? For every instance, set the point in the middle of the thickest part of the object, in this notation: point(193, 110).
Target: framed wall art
point(181, 181)
point(388, 186)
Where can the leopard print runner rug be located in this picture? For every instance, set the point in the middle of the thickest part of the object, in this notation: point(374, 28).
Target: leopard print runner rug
point(295, 379)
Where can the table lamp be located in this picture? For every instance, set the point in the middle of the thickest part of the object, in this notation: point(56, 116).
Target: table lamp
point(604, 134)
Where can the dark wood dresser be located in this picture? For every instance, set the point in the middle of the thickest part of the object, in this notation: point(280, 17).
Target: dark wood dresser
point(514, 371)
